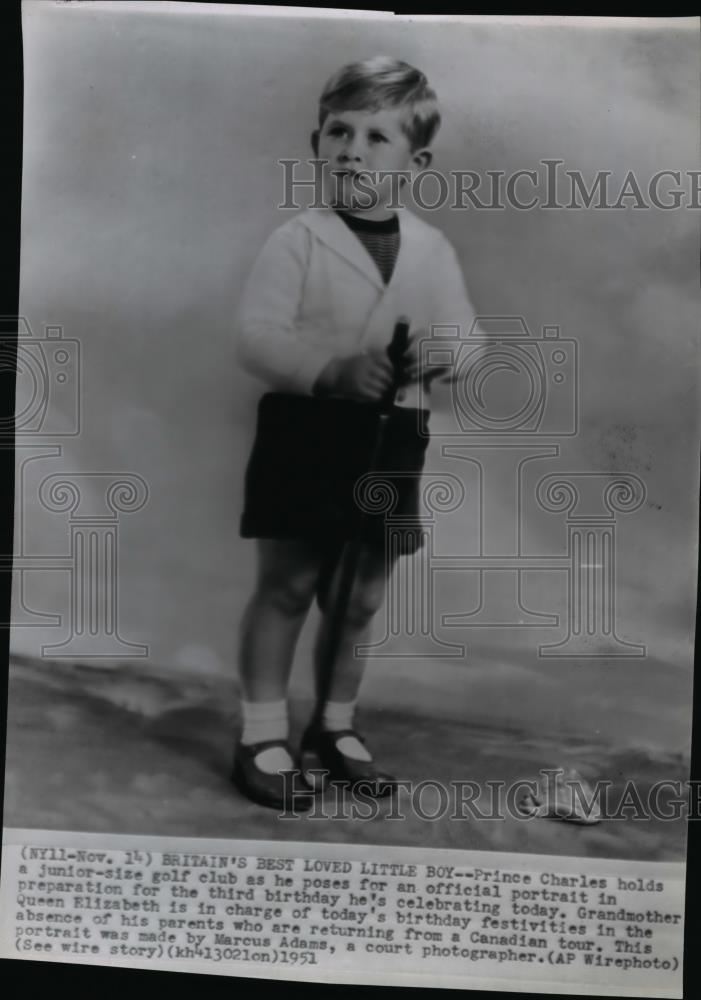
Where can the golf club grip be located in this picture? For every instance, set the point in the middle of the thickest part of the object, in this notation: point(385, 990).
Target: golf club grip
point(399, 342)
point(395, 353)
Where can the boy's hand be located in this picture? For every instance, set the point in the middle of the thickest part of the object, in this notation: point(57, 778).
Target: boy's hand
point(364, 377)
point(412, 369)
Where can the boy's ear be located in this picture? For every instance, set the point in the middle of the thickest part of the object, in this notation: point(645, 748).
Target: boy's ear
point(422, 158)
point(315, 142)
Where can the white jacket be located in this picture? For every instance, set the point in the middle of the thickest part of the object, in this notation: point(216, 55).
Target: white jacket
point(314, 293)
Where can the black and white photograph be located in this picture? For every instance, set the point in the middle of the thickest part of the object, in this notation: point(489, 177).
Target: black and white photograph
point(356, 479)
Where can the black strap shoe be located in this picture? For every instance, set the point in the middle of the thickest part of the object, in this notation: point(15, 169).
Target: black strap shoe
point(283, 790)
point(320, 753)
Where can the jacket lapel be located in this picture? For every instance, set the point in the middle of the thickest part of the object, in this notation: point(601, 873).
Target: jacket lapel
point(413, 248)
point(332, 231)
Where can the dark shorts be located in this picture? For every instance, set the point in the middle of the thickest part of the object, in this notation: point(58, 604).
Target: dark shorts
point(305, 473)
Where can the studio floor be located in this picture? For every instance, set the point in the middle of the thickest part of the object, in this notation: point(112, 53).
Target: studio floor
point(142, 752)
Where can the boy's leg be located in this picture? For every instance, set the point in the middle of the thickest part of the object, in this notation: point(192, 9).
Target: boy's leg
point(285, 587)
point(287, 575)
point(341, 689)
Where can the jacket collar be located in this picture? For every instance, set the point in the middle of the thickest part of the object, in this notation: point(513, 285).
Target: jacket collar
point(331, 230)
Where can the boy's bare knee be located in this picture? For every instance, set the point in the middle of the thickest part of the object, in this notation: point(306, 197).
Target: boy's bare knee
point(363, 606)
point(290, 596)
point(369, 590)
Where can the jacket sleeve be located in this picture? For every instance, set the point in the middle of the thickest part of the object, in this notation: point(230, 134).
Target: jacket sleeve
point(452, 310)
point(269, 344)
point(451, 303)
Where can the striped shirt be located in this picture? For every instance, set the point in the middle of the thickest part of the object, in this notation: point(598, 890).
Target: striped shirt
point(379, 237)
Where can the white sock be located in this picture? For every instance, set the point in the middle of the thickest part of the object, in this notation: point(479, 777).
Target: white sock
point(267, 720)
point(338, 715)
point(264, 720)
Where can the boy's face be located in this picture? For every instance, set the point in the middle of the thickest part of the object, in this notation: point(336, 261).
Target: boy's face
point(358, 141)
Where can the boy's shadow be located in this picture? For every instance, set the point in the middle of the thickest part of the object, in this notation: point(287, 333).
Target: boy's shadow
point(199, 733)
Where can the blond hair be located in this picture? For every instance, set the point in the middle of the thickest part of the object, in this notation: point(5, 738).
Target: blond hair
point(382, 82)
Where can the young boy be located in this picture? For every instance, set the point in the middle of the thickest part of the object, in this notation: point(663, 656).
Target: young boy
point(316, 317)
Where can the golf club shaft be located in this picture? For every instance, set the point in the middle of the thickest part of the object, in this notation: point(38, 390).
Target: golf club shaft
point(351, 555)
